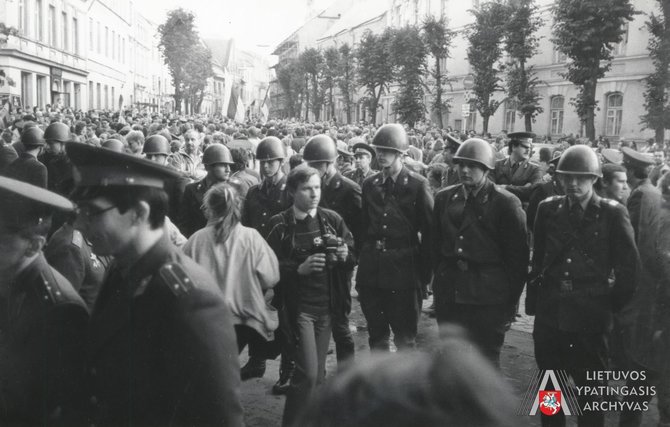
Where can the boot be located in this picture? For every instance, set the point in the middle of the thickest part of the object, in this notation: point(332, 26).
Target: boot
point(285, 373)
point(255, 368)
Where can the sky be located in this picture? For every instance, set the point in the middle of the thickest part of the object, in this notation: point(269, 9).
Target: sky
point(258, 25)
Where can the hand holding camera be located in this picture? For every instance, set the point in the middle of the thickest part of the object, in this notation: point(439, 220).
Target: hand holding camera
point(314, 263)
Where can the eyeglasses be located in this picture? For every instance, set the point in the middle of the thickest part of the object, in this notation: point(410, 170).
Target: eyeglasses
point(90, 212)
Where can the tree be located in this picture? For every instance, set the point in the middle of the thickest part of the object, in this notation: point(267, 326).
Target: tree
point(375, 67)
point(345, 78)
point(331, 58)
point(438, 39)
point(656, 96)
point(521, 44)
point(5, 32)
point(312, 62)
point(290, 77)
point(586, 31)
point(409, 55)
point(484, 52)
point(189, 64)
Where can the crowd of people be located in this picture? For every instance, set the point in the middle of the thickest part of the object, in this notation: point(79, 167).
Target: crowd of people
point(141, 253)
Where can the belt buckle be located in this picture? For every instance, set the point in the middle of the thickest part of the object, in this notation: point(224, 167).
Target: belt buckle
point(565, 285)
point(462, 265)
point(380, 245)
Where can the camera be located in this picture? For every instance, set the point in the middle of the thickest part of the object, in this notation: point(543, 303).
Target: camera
point(328, 244)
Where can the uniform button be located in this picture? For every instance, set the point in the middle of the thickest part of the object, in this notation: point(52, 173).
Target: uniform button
point(265, 214)
point(262, 225)
point(384, 227)
point(93, 372)
point(385, 214)
point(566, 274)
point(568, 260)
point(460, 250)
point(93, 400)
point(596, 234)
point(460, 237)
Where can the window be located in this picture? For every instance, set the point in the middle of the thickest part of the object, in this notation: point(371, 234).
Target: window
point(556, 115)
point(22, 14)
point(510, 115)
point(106, 97)
point(91, 43)
point(65, 45)
point(443, 7)
point(90, 95)
point(113, 44)
point(41, 91)
point(39, 20)
point(619, 49)
point(559, 57)
point(107, 41)
point(75, 36)
point(113, 97)
point(98, 97)
point(77, 96)
point(99, 41)
point(123, 50)
point(26, 86)
point(614, 114)
point(51, 23)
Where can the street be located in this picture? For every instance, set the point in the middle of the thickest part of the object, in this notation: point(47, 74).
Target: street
point(262, 409)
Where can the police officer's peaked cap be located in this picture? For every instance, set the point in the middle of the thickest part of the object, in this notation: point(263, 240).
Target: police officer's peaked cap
point(521, 137)
point(633, 159)
point(363, 148)
point(611, 155)
point(27, 205)
point(102, 167)
point(452, 142)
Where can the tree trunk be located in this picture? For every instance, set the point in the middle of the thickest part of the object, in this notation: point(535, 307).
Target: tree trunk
point(589, 119)
point(438, 92)
point(485, 124)
point(306, 99)
point(659, 134)
point(315, 96)
point(528, 122)
point(332, 104)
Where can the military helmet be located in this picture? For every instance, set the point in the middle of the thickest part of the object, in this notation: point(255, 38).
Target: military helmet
point(476, 150)
point(391, 137)
point(270, 148)
point(156, 144)
point(33, 137)
point(217, 153)
point(114, 145)
point(320, 148)
point(579, 160)
point(57, 132)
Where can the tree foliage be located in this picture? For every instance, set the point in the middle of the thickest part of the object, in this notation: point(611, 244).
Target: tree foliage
point(657, 102)
point(438, 39)
point(331, 71)
point(586, 31)
point(521, 44)
point(290, 77)
point(375, 67)
point(187, 59)
point(484, 52)
point(312, 63)
point(409, 56)
point(6, 31)
point(346, 71)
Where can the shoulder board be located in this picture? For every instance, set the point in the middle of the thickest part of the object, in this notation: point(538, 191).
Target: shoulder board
point(174, 276)
point(77, 238)
point(532, 163)
point(552, 199)
point(611, 202)
point(283, 187)
point(50, 290)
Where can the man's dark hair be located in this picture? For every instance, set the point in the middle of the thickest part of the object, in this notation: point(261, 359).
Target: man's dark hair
point(299, 175)
point(125, 198)
point(240, 158)
point(609, 170)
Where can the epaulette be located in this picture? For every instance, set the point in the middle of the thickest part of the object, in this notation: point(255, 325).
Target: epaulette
point(552, 198)
point(50, 290)
point(77, 238)
point(174, 276)
point(610, 202)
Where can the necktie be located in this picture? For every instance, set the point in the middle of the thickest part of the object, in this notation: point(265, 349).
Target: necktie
point(388, 188)
point(577, 212)
point(515, 166)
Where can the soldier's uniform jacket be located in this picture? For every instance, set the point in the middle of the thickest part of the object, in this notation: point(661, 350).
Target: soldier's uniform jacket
point(42, 334)
point(28, 169)
point(396, 233)
point(59, 173)
point(191, 216)
point(538, 193)
point(518, 182)
point(358, 176)
point(263, 201)
point(71, 254)
point(450, 177)
point(344, 197)
point(576, 259)
point(162, 349)
point(480, 246)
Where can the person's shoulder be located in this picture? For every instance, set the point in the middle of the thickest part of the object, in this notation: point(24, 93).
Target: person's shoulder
point(52, 286)
point(348, 183)
point(447, 192)
point(184, 279)
point(553, 202)
point(329, 214)
point(373, 179)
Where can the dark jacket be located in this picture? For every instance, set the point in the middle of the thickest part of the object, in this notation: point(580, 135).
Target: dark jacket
point(28, 169)
point(162, 349)
point(263, 202)
point(538, 193)
point(358, 176)
point(481, 247)
point(59, 171)
point(280, 240)
point(396, 236)
point(191, 216)
point(43, 323)
point(7, 156)
point(344, 197)
point(576, 259)
point(519, 182)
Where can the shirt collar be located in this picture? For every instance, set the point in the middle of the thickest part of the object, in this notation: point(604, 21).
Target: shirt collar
point(394, 177)
point(300, 215)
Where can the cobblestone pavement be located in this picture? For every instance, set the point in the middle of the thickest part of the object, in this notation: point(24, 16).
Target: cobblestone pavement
point(262, 409)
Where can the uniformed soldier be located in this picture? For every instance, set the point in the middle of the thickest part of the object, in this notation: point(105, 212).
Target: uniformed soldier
point(517, 173)
point(161, 348)
point(345, 160)
point(342, 195)
point(157, 149)
point(42, 321)
point(541, 192)
point(59, 169)
point(363, 155)
point(579, 239)
point(26, 167)
point(262, 203)
point(638, 167)
point(217, 161)
point(481, 263)
point(395, 253)
point(69, 252)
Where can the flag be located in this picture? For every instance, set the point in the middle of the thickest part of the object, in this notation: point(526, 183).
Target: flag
point(234, 100)
point(264, 113)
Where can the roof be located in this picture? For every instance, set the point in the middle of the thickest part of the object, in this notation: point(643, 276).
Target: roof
point(222, 50)
point(360, 13)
